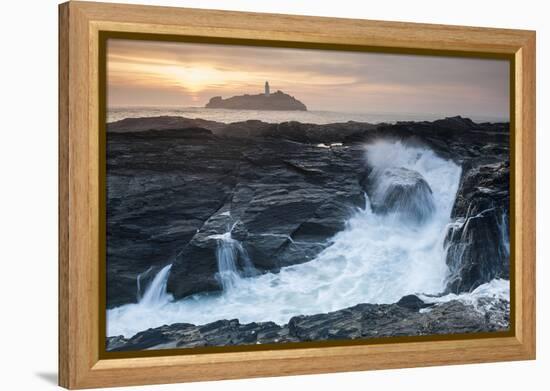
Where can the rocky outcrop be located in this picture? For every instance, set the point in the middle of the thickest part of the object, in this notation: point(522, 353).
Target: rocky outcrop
point(287, 201)
point(276, 101)
point(158, 195)
point(478, 243)
point(168, 198)
point(409, 317)
point(286, 189)
point(161, 123)
point(401, 191)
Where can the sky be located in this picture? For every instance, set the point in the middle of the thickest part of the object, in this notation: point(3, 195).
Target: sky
point(149, 73)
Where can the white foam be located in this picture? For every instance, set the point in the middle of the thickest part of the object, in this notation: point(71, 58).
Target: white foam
point(496, 289)
point(376, 259)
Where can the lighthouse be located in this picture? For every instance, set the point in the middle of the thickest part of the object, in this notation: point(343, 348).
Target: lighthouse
point(266, 88)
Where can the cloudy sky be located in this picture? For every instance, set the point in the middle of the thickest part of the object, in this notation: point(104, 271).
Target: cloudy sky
point(146, 73)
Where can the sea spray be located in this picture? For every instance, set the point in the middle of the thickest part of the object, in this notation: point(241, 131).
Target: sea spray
point(376, 259)
point(481, 298)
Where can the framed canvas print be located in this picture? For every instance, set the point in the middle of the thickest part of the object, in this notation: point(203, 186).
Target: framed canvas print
point(249, 195)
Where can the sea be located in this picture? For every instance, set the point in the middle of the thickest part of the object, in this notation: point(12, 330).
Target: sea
point(272, 116)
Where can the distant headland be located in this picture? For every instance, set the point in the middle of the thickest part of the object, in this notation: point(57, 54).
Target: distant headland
point(266, 101)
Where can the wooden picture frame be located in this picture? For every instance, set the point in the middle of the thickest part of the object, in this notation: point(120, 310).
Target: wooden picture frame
point(81, 185)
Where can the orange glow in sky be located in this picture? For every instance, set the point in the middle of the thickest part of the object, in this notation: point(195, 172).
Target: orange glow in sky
point(148, 73)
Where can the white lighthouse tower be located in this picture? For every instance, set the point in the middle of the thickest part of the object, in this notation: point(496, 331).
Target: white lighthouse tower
point(266, 88)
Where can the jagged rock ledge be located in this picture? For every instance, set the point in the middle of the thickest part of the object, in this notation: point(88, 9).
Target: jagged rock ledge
point(408, 317)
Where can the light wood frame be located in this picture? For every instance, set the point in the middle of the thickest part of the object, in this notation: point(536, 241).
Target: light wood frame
point(80, 229)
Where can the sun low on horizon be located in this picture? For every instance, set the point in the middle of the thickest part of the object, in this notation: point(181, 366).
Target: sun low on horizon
point(150, 73)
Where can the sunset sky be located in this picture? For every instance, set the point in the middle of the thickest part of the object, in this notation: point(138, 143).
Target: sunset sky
point(146, 73)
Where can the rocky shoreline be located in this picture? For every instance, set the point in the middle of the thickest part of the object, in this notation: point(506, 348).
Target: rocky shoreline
point(408, 317)
point(174, 183)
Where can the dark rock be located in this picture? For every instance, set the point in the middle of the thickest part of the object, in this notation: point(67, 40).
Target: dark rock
point(246, 129)
point(362, 321)
point(194, 270)
point(389, 320)
point(151, 338)
point(457, 123)
point(158, 195)
point(482, 186)
point(478, 243)
point(115, 343)
point(319, 134)
point(288, 200)
point(401, 191)
point(412, 302)
point(219, 333)
point(160, 123)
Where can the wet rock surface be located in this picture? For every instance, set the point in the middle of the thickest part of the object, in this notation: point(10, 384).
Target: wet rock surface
point(363, 321)
point(401, 191)
point(161, 188)
point(174, 184)
point(286, 201)
point(479, 240)
point(170, 192)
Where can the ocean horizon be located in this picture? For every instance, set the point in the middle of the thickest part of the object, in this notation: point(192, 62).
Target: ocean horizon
point(275, 116)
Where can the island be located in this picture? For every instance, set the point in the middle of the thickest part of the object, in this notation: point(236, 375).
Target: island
point(266, 101)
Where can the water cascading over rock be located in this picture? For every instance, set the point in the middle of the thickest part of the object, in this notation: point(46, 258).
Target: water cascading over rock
point(139, 283)
point(155, 294)
point(401, 191)
point(233, 260)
